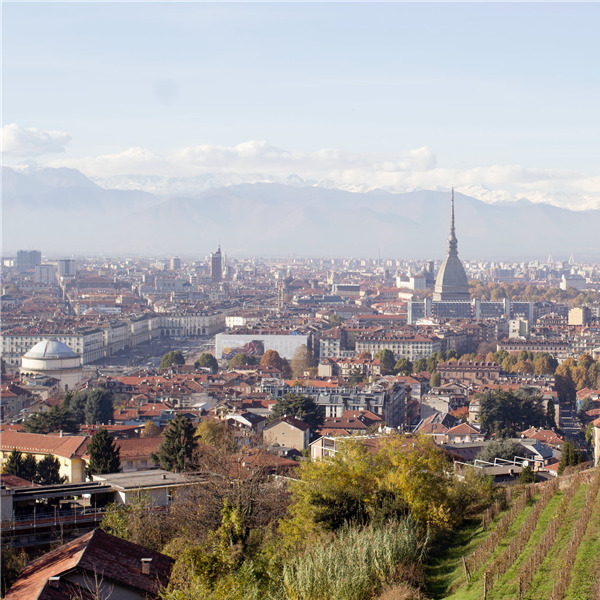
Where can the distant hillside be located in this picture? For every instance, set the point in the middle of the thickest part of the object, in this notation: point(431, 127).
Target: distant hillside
point(60, 210)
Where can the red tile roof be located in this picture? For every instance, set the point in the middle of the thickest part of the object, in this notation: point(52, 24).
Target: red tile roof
point(68, 446)
point(115, 560)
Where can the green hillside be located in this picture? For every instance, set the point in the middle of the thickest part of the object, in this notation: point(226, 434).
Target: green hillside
point(544, 546)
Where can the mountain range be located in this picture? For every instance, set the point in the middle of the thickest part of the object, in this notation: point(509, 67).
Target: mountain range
point(60, 211)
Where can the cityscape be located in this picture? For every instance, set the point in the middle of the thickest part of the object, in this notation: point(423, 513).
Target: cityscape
point(323, 367)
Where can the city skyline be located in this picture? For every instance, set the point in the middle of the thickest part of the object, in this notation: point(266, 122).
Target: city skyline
point(497, 100)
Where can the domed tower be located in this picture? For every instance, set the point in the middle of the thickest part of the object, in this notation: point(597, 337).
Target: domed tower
point(451, 282)
point(54, 359)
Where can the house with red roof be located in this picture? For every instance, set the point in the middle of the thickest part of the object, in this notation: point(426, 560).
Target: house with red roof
point(95, 565)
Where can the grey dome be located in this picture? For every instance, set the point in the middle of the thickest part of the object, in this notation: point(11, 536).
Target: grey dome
point(49, 349)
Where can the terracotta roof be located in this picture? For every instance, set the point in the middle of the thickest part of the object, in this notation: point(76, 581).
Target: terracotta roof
point(11, 481)
point(297, 423)
point(131, 448)
point(68, 446)
point(114, 559)
point(462, 429)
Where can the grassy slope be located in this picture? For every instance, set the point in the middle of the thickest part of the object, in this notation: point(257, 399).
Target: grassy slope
point(544, 579)
point(474, 590)
point(585, 572)
point(445, 571)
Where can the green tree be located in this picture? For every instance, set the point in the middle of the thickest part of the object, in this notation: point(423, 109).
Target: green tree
point(435, 380)
point(207, 361)
point(104, 454)
point(386, 361)
point(177, 448)
point(302, 361)
point(55, 419)
point(527, 475)
point(13, 463)
point(506, 449)
point(505, 414)
point(301, 407)
point(431, 364)
point(570, 456)
point(550, 418)
point(420, 365)
point(403, 366)
point(48, 471)
point(28, 468)
point(240, 360)
point(98, 406)
point(171, 358)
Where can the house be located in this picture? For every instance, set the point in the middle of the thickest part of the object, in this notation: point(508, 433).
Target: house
point(95, 565)
point(287, 431)
point(596, 425)
point(464, 434)
point(68, 449)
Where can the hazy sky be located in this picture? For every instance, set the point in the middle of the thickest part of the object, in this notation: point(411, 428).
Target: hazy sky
point(396, 95)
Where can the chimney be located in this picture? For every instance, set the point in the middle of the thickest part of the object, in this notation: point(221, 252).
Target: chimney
point(146, 566)
point(54, 581)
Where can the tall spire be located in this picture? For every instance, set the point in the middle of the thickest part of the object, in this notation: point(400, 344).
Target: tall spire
point(452, 241)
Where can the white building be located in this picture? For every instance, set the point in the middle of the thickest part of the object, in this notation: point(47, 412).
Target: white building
point(285, 344)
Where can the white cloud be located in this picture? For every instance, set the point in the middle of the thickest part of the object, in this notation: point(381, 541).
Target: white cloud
point(28, 142)
point(195, 168)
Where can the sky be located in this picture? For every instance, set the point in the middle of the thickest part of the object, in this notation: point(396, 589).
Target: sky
point(499, 99)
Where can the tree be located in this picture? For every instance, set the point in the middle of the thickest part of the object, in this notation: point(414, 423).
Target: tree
point(423, 474)
point(364, 355)
point(28, 469)
point(386, 361)
point(178, 445)
point(104, 454)
point(504, 413)
point(420, 365)
point(302, 361)
point(48, 471)
point(527, 475)
point(271, 358)
point(215, 434)
point(240, 360)
point(55, 419)
point(207, 361)
point(435, 380)
point(506, 449)
point(550, 418)
point(431, 364)
point(403, 366)
point(571, 456)
point(98, 406)
point(150, 430)
point(301, 407)
point(13, 463)
point(171, 358)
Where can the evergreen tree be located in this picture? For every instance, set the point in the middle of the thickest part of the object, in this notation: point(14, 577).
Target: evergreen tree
point(48, 471)
point(178, 445)
point(386, 361)
point(98, 406)
point(55, 419)
point(28, 467)
point(207, 361)
point(550, 418)
point(104, 454)
point(13, 463)
point(171, 358)
point(435, 380)
point(571, 456)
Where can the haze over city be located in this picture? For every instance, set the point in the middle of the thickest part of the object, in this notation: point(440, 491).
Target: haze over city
point(497, 100)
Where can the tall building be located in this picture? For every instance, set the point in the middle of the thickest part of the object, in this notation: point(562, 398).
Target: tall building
point(451, 283)
point(216, 266)
point(67, 267)
point(175, 263)
point(27, 260)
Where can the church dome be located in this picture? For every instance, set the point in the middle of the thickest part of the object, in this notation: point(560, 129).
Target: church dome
point(51, 349)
